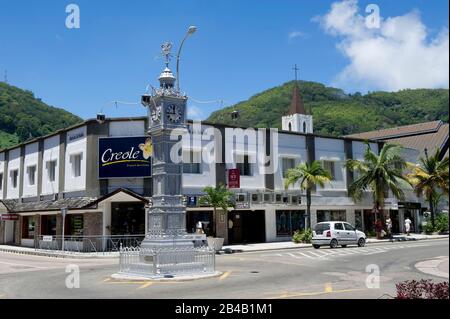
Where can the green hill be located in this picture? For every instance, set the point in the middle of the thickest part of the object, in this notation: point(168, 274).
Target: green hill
point(338, 113)
point(22, 116)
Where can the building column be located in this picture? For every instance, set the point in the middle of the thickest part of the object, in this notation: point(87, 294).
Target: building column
point(313, 217)
point(270, 220)
point(2, 232)
point(350, 216)
point(37, 229)
point(18, 231)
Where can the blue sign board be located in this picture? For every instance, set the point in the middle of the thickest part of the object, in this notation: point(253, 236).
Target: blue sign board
point(124, 157)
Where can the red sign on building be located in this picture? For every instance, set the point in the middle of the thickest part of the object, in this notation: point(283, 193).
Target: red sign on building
point(9, 217)
point(234, 178)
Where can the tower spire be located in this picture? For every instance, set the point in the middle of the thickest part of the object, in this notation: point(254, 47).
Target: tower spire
point(297, 106)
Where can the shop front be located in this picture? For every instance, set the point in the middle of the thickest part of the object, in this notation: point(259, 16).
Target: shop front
point(289, 221)
point(246, 226)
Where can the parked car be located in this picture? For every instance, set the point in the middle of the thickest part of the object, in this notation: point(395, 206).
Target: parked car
point(337, 233)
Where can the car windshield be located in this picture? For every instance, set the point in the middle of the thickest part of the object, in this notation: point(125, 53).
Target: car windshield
point(320, 228)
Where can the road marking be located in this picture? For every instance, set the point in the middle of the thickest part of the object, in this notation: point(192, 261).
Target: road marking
point(317, 255)
point(2, 295)
point(306, 294)
point(146, 285)
point(292, 255)
point(224, 275)
point(306, 255)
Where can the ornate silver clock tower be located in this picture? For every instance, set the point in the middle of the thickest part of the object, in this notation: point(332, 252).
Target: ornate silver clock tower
point(167, 214)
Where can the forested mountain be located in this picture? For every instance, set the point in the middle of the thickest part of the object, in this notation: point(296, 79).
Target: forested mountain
point(338, 113)
point(23, 117)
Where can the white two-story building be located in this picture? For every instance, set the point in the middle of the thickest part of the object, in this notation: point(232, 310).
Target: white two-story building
point(93, 170)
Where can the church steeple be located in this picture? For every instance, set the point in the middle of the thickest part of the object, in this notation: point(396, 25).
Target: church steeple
point(297, 106)
point(297, 119)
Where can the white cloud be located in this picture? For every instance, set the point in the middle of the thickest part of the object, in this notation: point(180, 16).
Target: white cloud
point(194, 113)
point(398, 55)
point(296, 34)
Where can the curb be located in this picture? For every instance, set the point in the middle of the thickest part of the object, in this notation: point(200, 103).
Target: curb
point(228, 251)
point(380, 241)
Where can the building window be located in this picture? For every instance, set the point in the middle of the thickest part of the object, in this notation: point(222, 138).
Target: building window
point(243, 165)
point(1, 182)
point(74, 225)
point(51, 170)
point(330, 168)
point(192, 162)
point(14, 177)
point(304, 127)
point(31, 172)
point(287, 163)
point(48, 225)
point(331, 215)
point(289, 221)
point(28, 227)
point(76, 165)
point(290, 127)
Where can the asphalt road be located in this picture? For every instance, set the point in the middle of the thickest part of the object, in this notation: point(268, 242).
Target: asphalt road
point(290, 273)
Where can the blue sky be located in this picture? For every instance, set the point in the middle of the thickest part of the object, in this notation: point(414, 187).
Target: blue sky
point(240, 49)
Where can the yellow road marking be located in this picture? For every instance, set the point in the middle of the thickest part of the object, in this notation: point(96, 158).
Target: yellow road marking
point(224, 275)
point(2, 295)
point(328, 287)
point(107, 279)
point(146, 285)
point(305, 294)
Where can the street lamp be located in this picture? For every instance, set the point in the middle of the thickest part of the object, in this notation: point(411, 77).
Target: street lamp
point(190, 31)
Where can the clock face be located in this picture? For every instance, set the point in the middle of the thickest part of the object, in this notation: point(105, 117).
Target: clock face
point(174, 113)
point(156, 114)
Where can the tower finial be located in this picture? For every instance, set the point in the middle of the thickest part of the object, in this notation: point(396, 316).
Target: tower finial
point(165, 48)
point(295, 68)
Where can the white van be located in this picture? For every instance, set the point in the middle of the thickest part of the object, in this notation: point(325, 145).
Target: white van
point(334, 234)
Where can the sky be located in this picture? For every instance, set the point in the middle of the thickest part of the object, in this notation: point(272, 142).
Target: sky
point(240, 49)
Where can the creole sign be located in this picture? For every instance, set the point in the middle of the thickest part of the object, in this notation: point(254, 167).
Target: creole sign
point(124, 157)
point(234, 178)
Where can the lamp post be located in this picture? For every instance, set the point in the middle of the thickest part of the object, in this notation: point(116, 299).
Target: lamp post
point(190, 31)
point(63, 214)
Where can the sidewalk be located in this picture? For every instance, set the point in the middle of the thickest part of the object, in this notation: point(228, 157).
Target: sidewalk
point(54, 253)
point(225, 249)
point(292, 245)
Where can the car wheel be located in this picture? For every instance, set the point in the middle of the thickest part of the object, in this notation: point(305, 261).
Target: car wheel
point(333, 243)
point(343, 246)
point(361, 242)
point(316, 246)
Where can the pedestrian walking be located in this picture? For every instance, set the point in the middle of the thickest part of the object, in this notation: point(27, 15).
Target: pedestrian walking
point(408, 223)
point(389, 228)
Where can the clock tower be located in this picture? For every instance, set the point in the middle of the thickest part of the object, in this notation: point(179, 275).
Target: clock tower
point(166, 216)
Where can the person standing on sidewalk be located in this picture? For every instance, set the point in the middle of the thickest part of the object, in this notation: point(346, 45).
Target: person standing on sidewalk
point(389, 228)
point(407, 225)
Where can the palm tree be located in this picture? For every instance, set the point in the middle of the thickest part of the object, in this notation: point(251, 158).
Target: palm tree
point(309, 175)
point(216, 197)
point(428, 176)
point(379, 173)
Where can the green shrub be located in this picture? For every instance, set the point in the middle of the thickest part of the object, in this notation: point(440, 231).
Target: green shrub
point(442, 223)
point(428, 228)
point(303, 236)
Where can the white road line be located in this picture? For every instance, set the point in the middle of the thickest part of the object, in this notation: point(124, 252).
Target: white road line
point(308, 256)
point(317, 255)
point(292, 255)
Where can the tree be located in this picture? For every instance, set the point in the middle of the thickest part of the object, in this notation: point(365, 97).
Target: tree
point(379, 174)
point(309, 175)
point(429, 175)
point(216, 197)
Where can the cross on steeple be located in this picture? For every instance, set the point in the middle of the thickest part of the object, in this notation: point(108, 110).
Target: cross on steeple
point(295, 68)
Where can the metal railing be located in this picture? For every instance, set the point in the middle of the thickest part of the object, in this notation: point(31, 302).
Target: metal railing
point(88, 244)
point(160, 262)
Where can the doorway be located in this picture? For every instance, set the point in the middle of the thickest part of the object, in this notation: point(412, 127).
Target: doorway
point(127, 219)
point(246, 227)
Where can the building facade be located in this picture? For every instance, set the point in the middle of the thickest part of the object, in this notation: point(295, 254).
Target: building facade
point(86, 169)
